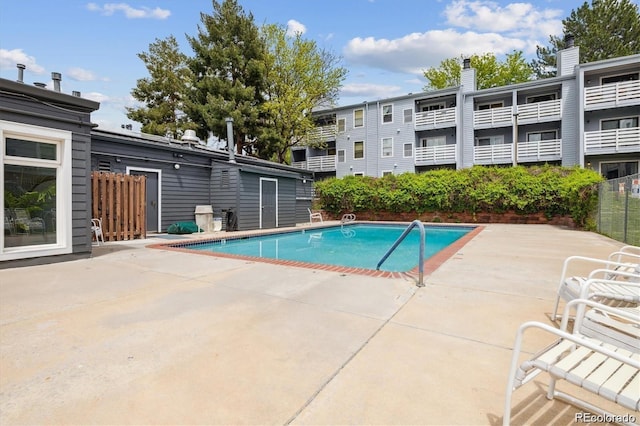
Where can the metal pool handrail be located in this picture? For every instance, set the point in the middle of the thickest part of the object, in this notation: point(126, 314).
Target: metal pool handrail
point(397, 243)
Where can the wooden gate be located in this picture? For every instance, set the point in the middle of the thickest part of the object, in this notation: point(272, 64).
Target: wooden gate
point(120, 201)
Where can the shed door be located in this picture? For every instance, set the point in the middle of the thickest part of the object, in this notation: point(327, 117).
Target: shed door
point(153, 196)
point(268, 203)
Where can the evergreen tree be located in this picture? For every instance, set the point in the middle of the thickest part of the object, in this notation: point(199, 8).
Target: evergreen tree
point(605, 29)
point(300, 78)
point(228, 74)
point(162, 92)
point(489, 71)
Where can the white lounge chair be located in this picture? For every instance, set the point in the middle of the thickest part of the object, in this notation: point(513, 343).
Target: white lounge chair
point(96, 231)
point(348, 217)
point(313, 216)
point(619, 265)
point(591, 360)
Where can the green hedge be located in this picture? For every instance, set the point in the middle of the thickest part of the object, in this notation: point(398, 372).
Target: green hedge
point(549, 189)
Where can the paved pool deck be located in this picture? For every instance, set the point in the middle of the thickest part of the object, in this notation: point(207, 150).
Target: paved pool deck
point(136, 335)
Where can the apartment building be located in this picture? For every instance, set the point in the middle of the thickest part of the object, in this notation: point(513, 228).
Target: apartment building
point(587, 115)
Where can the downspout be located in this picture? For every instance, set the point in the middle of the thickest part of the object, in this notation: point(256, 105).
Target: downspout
point(378, 143)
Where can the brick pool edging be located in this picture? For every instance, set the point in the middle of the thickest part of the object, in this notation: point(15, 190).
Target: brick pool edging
point(430, 265)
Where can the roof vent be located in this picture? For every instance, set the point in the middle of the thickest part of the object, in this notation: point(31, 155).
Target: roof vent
point(41, 85)
point(466, 63)
point(21, 68)
point(569, 41)
point(190, 136)
point(56, 77)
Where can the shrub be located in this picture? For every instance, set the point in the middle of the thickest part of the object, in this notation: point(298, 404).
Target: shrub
point(548, 189)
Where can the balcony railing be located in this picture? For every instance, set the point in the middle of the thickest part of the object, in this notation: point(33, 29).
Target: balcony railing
point(612, 95)
point(550, 150)
point(493, 154)
point(325, 133)
point(435, 119)
point(325, 163)
point(612, 141)
point(494, 117)
point(539, 112)
point(442, 154)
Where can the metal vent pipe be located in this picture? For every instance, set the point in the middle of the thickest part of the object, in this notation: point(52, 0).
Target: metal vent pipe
point(56, 77)
point(21, 68)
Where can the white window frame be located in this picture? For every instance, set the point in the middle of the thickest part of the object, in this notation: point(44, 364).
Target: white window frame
point(552, 94)
point(341, 153)
point(388, 115)
point(383, 173)
point(427, 107)
point(354, 150)
point(555, 132)
point(404, 115)
point(382, 147)
point(491, 105)
point(355, 125)
point(404, 150)
point(63, 165)
point(637, 117)
point(358, 174)
point(344, 125)
point(617, 75)
point(424, 142)
point(491, 138)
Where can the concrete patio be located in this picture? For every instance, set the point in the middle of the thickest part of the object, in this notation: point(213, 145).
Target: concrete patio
point(146, 336)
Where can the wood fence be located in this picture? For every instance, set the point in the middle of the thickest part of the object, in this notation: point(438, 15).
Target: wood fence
point(119, 200)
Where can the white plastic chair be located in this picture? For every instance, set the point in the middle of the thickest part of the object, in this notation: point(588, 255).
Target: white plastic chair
point(96, 231)
point(312, 215)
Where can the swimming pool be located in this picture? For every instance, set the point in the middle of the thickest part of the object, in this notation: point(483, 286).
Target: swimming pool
point(355, 246)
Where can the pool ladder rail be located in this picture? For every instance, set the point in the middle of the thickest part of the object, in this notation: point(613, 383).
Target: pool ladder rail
point(421, 254)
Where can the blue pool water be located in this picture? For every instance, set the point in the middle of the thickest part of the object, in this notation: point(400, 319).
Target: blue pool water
point(357, 246)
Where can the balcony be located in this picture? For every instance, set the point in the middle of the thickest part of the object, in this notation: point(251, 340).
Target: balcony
point(436, 119)
point(539, 112)
point(550, 150)
point(432, 155)
point(493, 154)
point(494, 117)
point(612, 95)
point(612, 141)
point(324, 133)
point(325, 163)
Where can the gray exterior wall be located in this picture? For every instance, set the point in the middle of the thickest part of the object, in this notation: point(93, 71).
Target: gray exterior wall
point(55, 110)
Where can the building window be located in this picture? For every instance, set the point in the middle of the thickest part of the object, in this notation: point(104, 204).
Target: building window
point(615, 170)
point(342, 125)
point(619, 123)
point(433, 141)
point(36, 191)
point(490, 140)
point(408, 150)
point(407, 115)
point(548, 135)
point(341, 156)
point(541, 98)
point(358, 174)
point(358, 149)
point(386, 173)
point(387, 147)
point(490, 105)
point(387, 114)
point(619, 78)
point(358, 118)
point(432, 107)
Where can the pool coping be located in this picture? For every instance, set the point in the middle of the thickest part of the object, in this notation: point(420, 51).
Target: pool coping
point(429, 265)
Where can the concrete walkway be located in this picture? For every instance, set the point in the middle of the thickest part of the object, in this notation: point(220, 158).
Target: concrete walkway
point(146, 336)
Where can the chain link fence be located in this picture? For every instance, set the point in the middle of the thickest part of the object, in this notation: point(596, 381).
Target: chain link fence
point(619, 209)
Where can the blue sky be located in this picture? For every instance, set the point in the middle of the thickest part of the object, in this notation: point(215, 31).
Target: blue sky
point(384, 44)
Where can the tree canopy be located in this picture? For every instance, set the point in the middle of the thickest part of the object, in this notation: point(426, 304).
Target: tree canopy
point(605, 29)
point(490, 72)
point(163, 91)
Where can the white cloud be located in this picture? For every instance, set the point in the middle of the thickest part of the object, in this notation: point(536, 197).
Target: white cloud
point(130, 12)
point(96, 96)
point(10, 58)
point(415, 52)
point(521, 19)
point(369, 91)
point(294, 27)
point(80, 74)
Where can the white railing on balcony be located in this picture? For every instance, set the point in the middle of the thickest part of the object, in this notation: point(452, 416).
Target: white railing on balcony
point(614, 94)
point(325, 132)
point(493, 154)
point(539, 112)
point(612, 141)
point(549, 150)
point(325, 163)
point(493, 117)
point(435, 119)
point(442, 154)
